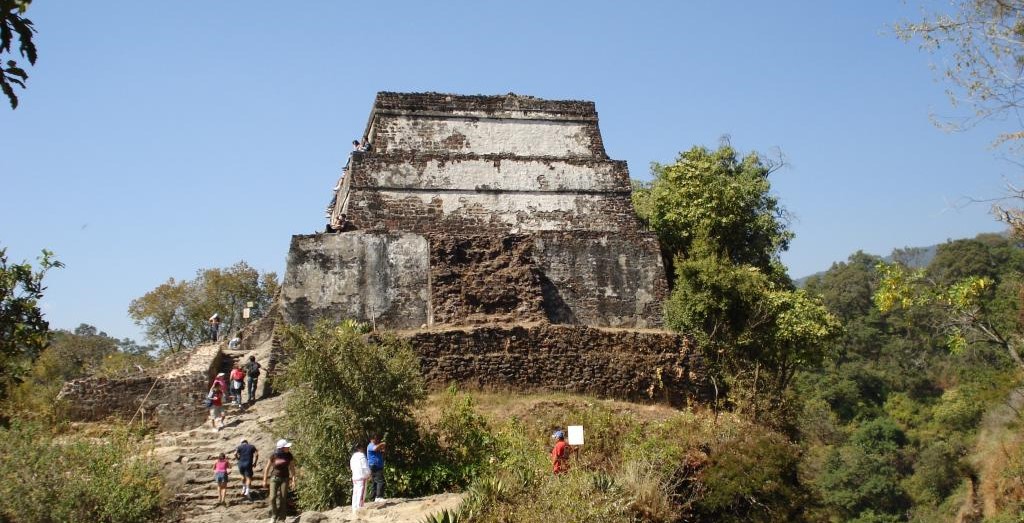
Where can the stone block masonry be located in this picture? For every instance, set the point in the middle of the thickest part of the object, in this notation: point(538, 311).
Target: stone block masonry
point(521, 213)
point(498, 236)
point(175, 402)
point(618, 363)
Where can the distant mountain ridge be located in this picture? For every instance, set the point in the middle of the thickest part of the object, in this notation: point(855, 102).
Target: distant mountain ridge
point(913, 257)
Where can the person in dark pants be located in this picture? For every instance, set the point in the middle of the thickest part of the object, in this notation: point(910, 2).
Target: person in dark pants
point(252, 370)
point(283, 466)
point(375, 457)
point(247, 457)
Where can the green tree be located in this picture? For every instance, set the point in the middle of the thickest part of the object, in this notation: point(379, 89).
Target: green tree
point(24, 333)
point(723, 232)
point(964, 311)
point(13, 26)
point(343, 389)
point(863, 477)
point(175, 313)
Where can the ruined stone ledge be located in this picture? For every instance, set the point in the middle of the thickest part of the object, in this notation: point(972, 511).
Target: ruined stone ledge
point(446, 104)
point(636, 365)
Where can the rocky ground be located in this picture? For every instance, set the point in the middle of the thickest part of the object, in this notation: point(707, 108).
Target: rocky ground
point(187, 458)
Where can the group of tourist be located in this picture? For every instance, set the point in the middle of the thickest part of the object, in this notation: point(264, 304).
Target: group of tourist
point(220, 390)
point(367, 464)
point(278, 475)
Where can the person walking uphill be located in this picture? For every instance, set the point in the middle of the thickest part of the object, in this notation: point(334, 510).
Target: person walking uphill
point(252, 370)
point(360, 473)
point(375, 458)
point(283, 465)
point(220, 473)
point(237, 382)
point(247, 457)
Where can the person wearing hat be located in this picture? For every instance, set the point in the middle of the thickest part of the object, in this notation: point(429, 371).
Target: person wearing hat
point(560, 453)
point(247, 457)
point(283, 465)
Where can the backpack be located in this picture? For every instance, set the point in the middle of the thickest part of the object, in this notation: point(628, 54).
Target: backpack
point(252, 369)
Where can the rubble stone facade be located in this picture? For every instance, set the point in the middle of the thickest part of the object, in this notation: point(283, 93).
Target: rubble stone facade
point(495, 232)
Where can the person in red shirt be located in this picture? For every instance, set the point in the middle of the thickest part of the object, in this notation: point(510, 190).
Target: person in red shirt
point(560, 454)
point(237, 382)
point(216, 409)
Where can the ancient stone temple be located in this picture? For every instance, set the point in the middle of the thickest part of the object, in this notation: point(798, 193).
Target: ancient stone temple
point(496, 234)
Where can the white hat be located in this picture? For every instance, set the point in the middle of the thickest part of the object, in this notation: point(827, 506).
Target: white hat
point(283, 444)
point(219, 374)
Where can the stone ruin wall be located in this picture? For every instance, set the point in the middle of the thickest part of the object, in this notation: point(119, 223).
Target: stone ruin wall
point(498, 235)
point(174, 403)
point(181, 383)
point(625, 364)
point(473, 173)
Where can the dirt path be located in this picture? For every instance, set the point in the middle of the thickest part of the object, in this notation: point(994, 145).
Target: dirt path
point(187, 459)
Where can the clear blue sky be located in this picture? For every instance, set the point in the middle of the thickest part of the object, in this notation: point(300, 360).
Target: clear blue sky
point(156, 138)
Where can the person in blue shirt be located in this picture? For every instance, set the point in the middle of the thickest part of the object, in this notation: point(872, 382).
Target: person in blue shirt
point(247, 457)
point(375, 457)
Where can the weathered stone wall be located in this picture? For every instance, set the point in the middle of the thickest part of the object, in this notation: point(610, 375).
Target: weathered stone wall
point(357, 275)
point(601, 279)
point(488, 173)
point(629, 364)
point(175, 402)
point(495, 212)
point(478, 279)
point(434, 123)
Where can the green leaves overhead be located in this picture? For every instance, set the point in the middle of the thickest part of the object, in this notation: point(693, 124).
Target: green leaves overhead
point(13, 24)
point(24, 333)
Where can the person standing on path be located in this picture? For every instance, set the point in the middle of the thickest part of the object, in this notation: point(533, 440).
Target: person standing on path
point(360, 473)
point(252, 370)
point(560, 453)
point(216, 409)
point(375, 458)
point(237, 383)
point(247, 457)
point(220, 473)
point(283, 465)
point(214, 327)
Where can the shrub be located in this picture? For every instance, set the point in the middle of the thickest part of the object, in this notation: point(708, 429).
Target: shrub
point(343, 389)
point(104, 479)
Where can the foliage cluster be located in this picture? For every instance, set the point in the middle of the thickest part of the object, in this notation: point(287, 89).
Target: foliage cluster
point(14, 25)
point(686, 468)
point(76, 478)
point(344, 388)
point(889, 421)
point(722, 232)
point(86, 351)
point(24, 333)
point(175, 313)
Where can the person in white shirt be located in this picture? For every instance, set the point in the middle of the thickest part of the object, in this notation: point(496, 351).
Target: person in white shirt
point(360, 473)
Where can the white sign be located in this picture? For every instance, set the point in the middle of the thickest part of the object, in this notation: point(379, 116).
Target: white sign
point(245, 313)
point(575, 435)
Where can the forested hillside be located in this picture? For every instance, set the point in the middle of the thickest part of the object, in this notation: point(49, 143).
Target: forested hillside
point(890, 424)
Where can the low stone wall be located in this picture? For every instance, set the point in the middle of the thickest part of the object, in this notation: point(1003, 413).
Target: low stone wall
point(175, 402)
point(618, 363)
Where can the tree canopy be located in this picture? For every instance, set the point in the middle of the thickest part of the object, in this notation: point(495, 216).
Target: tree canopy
point(24, 332)
point(722, 232)
point(175, 313)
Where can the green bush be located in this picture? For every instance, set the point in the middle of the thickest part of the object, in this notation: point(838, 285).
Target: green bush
point(105, 479)
point(343, 389)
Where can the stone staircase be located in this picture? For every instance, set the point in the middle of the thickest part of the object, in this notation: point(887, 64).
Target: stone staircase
point(188, 458)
